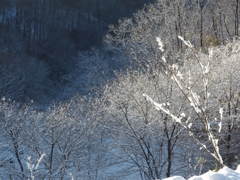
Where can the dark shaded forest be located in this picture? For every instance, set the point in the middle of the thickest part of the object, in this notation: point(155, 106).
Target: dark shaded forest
point(40, 38)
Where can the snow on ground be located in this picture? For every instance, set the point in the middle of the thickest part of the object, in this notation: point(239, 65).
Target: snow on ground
point(223, 174)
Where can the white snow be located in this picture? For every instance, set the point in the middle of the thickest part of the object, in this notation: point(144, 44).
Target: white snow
point(175, 178)
point(223, 174)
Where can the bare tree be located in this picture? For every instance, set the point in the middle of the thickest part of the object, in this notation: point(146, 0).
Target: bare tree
point(147, 139)
point(201, 97)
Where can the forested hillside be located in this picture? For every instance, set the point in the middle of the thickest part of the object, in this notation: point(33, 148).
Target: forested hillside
point(41, 40)
point(119, 90)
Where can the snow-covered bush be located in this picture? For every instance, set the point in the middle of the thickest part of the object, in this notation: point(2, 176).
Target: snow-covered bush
point(223, 174)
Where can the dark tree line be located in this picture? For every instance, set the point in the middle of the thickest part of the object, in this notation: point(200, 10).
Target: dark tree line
point(82, 22)
point(52, 32)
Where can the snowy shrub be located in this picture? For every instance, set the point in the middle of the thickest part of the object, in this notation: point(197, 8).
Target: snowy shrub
point(223, 174)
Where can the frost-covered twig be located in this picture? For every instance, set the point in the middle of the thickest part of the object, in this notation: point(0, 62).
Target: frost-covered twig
point(187, 43)
point(160, 107)
point(33, 167)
